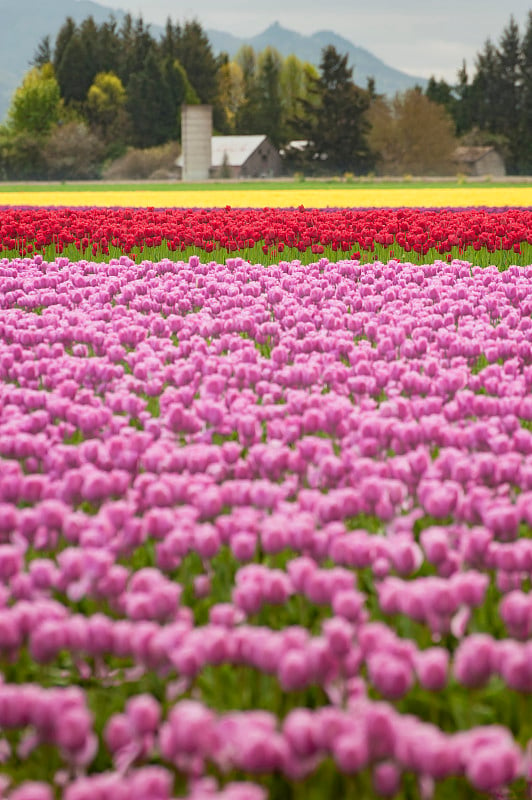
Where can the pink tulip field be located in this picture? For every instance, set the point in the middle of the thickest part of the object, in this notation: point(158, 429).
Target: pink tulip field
point(265, 530)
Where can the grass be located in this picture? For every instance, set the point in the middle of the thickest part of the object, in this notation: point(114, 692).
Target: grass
point(278, 184)
point(500, 258)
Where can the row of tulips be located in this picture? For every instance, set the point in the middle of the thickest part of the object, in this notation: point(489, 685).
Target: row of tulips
point(264, 530)
point(485, 236)
point(364, 733)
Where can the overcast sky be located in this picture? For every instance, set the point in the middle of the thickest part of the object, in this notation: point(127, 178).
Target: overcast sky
point(421, 37)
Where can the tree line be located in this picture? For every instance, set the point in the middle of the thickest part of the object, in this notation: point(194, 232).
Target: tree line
point(100, 91)
point(493, 105)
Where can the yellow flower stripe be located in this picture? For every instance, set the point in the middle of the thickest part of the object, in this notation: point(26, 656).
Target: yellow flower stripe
point(310, 198)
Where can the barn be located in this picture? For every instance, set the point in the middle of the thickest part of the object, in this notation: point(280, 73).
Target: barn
point(242, 157)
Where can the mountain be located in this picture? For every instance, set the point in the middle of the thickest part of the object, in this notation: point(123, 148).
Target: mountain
point(25, 22)
point(308, 48)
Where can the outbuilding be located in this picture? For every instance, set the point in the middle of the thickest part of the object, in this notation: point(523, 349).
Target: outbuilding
point(479, 161)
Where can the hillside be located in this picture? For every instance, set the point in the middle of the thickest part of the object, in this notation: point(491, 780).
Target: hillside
point(26, 22)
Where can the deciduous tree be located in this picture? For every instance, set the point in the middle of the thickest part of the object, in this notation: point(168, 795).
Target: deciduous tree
point(412, 135)
point(36, 104)
point(230, 91)
point(296, 79)
point(106, 112)
point(72, 151)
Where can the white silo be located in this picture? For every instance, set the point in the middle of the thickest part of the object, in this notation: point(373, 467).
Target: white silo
point(196, 134)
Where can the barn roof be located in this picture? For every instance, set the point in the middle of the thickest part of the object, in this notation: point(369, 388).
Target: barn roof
point(471, 154)
point(237, 149)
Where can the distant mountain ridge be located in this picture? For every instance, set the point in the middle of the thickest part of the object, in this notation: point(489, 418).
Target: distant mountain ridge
point(309, 47)
point(23, 23)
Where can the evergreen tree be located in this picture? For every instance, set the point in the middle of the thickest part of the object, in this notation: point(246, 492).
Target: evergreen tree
point(169, 41)
point(193, 50)
point(337, 128)
point(126, 46)
point(463, 108)
point(485, 89)
point(149, 103)
point(136, 42)
point(269, 120)
point(65, 34)
point(248, 110)
point(507, 110)
point(180, 92)
point(525, 115)
point(489, 109)
point(43, 53)
point(79, 61)
point(107, 47)
point(442, 93)
point(371, 88)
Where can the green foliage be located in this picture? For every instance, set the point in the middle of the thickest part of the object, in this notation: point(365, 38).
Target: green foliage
point(149, 104)
point(493, 106)
point(105, 97)
point(64, 35)
point(80, 53)
point(341, 145)
point(106, 112)
point(146, 80)
point(21, 155)
point(442, 93)
point(524, 123)
point(248, 107)
point(296, 80)
point(190, 47)
point(230, 92)
point(225, 169)
point(269, 67)
point(180, 92)
point(36, 104)
point(193, 50)
point(43, 53)
point(127, 86)
point(261, 108)
point(75, 69)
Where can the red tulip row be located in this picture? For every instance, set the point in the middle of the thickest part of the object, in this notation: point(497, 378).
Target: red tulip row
point(500, 236)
